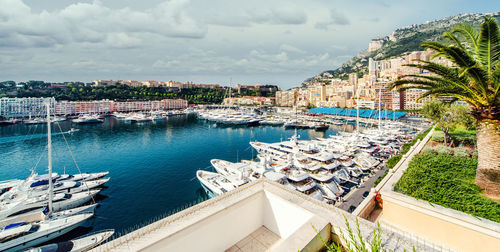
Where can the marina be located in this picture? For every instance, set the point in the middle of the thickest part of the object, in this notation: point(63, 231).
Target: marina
point(132, 152)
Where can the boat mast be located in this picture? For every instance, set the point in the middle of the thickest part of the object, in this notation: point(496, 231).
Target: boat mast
point(379, 109)
point(49, 148)
point(357, 110)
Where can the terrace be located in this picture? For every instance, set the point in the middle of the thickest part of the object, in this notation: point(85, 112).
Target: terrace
point(236, 221)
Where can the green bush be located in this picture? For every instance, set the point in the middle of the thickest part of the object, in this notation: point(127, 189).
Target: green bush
point(377, 181)
point(391, 162)
point(428, 150)
point(447, 181)
point(461, 152)
point(443, 150)
point(438, 136)
point(464, 137)
point(406, 147)
point(474, 154)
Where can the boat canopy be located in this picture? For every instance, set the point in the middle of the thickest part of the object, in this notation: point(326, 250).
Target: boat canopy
point(363, 113)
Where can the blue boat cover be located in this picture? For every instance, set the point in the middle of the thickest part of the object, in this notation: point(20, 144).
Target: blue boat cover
point(14, 225)
point(363, 113)
point(41, 182)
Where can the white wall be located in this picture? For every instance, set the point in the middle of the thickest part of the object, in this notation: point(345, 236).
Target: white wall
point(283, 218)
point(217, 232)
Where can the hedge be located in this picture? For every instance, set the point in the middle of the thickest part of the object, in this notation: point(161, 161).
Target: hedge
point(448, 181)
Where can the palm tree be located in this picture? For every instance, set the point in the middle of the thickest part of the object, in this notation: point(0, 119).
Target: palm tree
point(474, 77)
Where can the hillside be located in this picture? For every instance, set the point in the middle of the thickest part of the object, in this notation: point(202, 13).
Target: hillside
point(400, 41)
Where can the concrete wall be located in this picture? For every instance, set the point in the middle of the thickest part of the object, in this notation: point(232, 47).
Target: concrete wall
point(217, 232)
point(283, 218)
point(451, 231)
point(433, 223)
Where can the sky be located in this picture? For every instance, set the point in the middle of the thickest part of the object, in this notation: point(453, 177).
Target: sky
point(279, 42)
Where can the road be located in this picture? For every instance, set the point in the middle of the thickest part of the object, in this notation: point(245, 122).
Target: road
point(355, 197)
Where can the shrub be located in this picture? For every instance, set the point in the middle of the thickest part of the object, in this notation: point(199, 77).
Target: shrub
point(447, 181)
point(438, 136)
point(406, 147)
point(428, 150)
point(465, 137)
point(444, 150)
point(474, 154)
point(461, 152)
point(391, 162)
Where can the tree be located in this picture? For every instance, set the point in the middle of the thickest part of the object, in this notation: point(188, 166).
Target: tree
point(462, 117)
point(474, 78)
point(438, 112)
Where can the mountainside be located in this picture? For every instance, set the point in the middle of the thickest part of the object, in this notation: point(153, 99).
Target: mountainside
point(400, 41)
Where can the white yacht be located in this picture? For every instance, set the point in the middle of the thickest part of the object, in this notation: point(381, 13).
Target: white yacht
point(214, 184)
point(79, 244)
point(88, 119)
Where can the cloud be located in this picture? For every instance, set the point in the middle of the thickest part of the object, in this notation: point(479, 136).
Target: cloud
point(244, 16)
point(94, 23)
point(290, 48)
point(254, 62)
point(336, 18)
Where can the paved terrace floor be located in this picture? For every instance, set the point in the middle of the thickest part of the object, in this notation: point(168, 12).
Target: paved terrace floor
point(261, 239)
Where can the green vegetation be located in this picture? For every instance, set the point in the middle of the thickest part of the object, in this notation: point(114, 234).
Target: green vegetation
point(379, 179)
point(463, 137)
point(448, 118)
point(406, 147)
point(78, 91)
point(448, 181)
point(391, 162)
point(353, 240)
point(473, 77)
point(124, 92)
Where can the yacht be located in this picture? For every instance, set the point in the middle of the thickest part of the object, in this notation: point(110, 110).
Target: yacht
point(80, 244)
point(20, 236)
point(213, 183)
point(88, 119)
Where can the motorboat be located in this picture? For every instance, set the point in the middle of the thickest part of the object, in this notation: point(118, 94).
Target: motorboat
point(213, 183)
point(88, 119)
point(79, 244)
point(26, 235)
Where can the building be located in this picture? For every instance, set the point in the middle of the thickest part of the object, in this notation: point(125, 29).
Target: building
point(261, 88)
point(286, 98)
point(35, 107)
point(412, 101)
point(103, 83)
point(107, 106)
point(24, 107)
point(250, 101)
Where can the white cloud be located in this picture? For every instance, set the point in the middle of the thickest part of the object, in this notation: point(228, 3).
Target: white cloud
point(94, 23)
point(290, 48)
point(336, 18)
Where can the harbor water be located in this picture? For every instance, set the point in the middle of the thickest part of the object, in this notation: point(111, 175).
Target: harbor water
point(152, 166)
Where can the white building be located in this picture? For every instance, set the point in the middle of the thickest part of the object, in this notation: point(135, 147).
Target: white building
point(24, 107)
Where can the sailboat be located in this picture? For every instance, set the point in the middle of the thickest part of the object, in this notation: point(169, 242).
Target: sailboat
point(24, 234)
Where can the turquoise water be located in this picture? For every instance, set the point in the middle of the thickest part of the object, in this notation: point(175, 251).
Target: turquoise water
point(152, 165)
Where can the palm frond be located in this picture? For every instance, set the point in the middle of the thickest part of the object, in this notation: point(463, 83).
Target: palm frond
point(462, 59)
point(454, 75)
point(451, 37)
point(468, 32)
point(489, 44)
